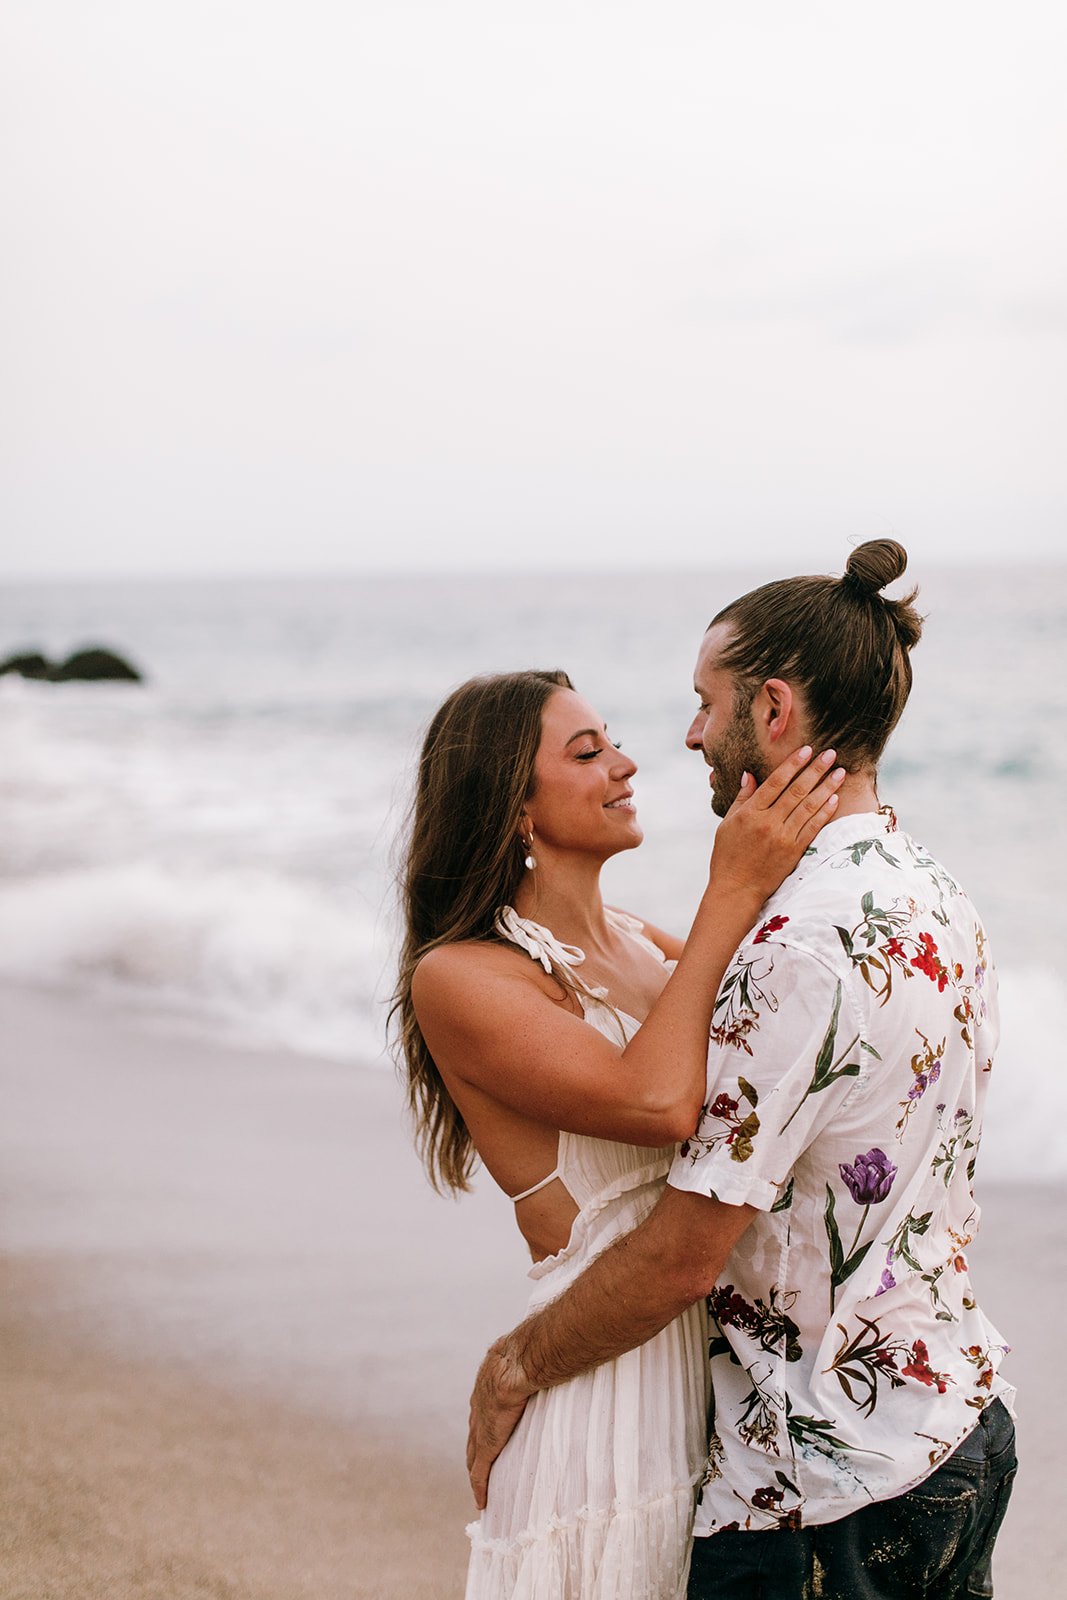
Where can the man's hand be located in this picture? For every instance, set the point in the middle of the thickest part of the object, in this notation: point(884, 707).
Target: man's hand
point(497, 1402)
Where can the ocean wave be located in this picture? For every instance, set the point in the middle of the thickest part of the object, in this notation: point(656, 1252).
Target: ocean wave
point(260, 959)
point(1025, 1133)
point(250, 955)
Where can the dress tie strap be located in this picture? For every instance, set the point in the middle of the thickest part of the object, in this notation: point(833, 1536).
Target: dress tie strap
point(537, 941)
point(544, 947)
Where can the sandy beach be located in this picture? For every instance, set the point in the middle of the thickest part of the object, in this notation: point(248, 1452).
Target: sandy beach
point(238, 1328)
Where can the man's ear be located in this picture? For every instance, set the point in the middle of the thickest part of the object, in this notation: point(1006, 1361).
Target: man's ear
point(775, 709)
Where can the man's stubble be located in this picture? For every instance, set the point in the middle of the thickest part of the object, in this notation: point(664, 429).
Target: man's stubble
point(736, 753)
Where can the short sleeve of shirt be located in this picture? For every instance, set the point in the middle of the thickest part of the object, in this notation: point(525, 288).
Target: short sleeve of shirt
point(786, 1053)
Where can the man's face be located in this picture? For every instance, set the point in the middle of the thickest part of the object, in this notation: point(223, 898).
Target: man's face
point(723, 729)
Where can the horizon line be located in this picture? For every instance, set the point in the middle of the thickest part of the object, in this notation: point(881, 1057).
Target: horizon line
point(282, 574)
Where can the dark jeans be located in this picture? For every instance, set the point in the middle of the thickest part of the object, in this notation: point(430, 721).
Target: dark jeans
point(935, 1541)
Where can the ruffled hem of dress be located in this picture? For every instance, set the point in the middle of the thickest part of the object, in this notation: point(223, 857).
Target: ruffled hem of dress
point(638, 1552)
point(636, 1178)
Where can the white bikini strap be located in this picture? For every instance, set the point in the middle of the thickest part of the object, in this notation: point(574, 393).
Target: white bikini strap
point(526, 1193)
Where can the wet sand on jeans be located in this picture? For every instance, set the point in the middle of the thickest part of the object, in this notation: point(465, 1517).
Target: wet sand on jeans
point(237, 1329)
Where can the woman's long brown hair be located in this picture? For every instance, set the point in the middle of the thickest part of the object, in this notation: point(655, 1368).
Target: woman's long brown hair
point(463, 860)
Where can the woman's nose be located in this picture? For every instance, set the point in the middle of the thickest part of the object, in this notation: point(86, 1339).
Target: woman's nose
point(624, 765)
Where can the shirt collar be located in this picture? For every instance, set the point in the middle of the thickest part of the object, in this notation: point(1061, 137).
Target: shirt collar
point(841, 834)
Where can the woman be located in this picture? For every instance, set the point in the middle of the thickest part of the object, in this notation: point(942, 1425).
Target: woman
point(545, 1033)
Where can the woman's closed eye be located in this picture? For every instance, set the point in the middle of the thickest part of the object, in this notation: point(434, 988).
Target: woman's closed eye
point(591, 755)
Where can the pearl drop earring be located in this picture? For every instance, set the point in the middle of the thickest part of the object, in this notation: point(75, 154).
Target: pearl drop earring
point(529, 862)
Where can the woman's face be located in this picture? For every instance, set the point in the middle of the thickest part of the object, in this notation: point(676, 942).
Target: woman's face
point(582, 798)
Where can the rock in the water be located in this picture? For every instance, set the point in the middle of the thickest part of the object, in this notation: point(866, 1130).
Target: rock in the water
point(95, 663)
point(28, 665)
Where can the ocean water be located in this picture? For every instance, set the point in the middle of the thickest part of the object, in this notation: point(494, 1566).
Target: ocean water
point(216, 846)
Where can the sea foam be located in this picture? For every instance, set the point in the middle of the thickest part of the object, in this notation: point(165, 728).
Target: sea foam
point(217, 842)
point(265, 960)
point(270, 962)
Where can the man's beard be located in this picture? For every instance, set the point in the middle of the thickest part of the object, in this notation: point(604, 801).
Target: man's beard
point(735, 754)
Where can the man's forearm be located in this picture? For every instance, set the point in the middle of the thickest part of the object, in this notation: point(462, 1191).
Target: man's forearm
point(632, 1291)
point(627, 1295)
point(624, 1297)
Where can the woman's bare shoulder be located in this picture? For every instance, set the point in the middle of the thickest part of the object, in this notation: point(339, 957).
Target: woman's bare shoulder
point(453, 968)
point(471, 997)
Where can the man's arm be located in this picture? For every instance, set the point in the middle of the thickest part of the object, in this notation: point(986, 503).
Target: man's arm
point(624, 1297)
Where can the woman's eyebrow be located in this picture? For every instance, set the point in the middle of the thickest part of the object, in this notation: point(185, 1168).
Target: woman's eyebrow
point(595, 733)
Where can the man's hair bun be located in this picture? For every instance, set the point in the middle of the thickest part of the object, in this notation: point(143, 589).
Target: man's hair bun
point(873, 565)
point(841, 640)
point(870, 567)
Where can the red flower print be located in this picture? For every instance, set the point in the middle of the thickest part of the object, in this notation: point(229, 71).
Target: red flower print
point(767, 1499)
point(732, 1310)
point(737, 1132)
point(979, 1359)
point(929, 961)
point(772, 925)
point(735, 1033)
point(919, 1367)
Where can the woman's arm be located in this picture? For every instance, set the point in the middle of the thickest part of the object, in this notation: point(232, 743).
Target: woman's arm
point(488, 1026)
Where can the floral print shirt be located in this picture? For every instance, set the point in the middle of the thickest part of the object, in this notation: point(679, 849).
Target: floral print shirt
point(852, 1042)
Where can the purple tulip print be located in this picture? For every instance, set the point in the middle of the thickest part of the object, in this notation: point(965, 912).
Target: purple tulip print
point(869, 1178)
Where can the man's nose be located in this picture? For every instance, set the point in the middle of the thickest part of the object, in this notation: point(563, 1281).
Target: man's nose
point(695, 737)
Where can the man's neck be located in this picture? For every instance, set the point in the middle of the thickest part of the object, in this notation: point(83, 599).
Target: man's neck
point(857, 795)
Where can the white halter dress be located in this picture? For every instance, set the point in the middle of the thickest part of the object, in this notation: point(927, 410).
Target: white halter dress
point(592, 1498)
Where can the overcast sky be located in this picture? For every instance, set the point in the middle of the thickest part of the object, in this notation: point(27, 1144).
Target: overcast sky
point(341, 284)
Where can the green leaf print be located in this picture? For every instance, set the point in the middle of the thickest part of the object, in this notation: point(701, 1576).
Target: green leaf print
point(737, 1006)
point(861, 847)
point(865, 1361)
point(827, 1068)
point(901, 1246)
point(882, 946)
point(841, 1266)
point(817, 1433)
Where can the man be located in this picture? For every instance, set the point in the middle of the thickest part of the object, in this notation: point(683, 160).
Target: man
point(859, 1444)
